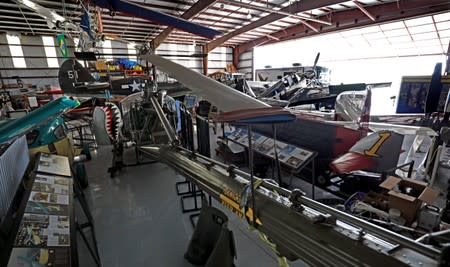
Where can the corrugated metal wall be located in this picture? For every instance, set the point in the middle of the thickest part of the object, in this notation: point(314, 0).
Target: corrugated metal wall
point(245, 64)
point(37, 72)
point(217, 58)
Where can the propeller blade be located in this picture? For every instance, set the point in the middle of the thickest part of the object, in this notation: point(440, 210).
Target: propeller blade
point(316, 60)
point(222, 96)
point(434, 91)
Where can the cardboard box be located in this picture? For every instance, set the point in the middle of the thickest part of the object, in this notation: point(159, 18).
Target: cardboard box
point(407, 195)
point(101, 65)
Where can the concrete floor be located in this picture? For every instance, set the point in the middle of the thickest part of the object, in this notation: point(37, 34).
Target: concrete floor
point(138, 219)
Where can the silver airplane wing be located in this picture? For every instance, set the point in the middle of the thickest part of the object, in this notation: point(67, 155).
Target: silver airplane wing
point(222, 96)
point(42, 11)
point(402, 129)
point(50, 15)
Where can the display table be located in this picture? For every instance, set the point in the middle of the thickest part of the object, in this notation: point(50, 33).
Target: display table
point(46, 235)
point(295, 158)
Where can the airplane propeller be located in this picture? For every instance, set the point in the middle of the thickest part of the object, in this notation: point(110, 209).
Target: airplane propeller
point(316, 60)
point(315, 64)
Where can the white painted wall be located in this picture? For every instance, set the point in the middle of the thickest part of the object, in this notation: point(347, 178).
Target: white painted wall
point(245, 64)
point(37, 73)
point(218, 58)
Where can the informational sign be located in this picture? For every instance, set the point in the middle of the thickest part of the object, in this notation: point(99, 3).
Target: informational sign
point(44, 234)
point(54, 164)
point(413, 93)
point(292, 156)
point(37, 230)
point(32, 100)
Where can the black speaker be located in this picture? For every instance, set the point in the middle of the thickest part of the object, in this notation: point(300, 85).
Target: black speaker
point(206, 235)
point(224, 252)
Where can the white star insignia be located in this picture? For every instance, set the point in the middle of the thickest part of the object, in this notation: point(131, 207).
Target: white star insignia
point(135, 87)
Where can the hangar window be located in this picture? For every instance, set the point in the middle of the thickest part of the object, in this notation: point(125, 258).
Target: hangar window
point(76, 41)
point(107, 50)
point(50, 51)
point(16, 51)
point(131, 51)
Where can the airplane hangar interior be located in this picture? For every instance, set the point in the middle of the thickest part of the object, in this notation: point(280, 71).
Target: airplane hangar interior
point(224, 133)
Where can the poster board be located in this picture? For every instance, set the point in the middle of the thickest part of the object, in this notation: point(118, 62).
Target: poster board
point(292, 156)
point(413, 92)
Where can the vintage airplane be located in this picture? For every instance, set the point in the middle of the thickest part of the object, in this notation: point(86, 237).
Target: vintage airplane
point(310, 130)
point(44, 128)
point(295, 87)
point(298, 89)
point(75, 79)
point(11, 128)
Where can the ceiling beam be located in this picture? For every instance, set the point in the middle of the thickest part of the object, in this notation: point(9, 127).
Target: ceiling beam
point(296, 7)
point(192, 11)
point(353, 18)
point(363, 10)
point(136, 10)
point(271, 10)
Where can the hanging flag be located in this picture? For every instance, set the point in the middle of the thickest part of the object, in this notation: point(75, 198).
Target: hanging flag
point(85, 25)
point(62, 45)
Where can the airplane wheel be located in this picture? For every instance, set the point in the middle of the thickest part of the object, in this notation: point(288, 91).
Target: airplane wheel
point(322, 180)
point(58, 24)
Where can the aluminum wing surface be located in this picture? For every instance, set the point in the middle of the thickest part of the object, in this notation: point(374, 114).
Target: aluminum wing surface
point(36, 118)
point(402, 129)
point(224, 97)
point(44, 12)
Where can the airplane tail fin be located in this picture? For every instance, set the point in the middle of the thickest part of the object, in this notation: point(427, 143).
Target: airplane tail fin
point(72, 74)
point(377, 152)
point(434, 92)
point(364, 119)
point(354, 106)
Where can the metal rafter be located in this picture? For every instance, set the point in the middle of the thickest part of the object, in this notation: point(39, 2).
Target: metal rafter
point(348, 19)
point(295, 7)
point(410, 35)
point(438, 36)
point(289, 14)
point(363, 10)
point(192, 11)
